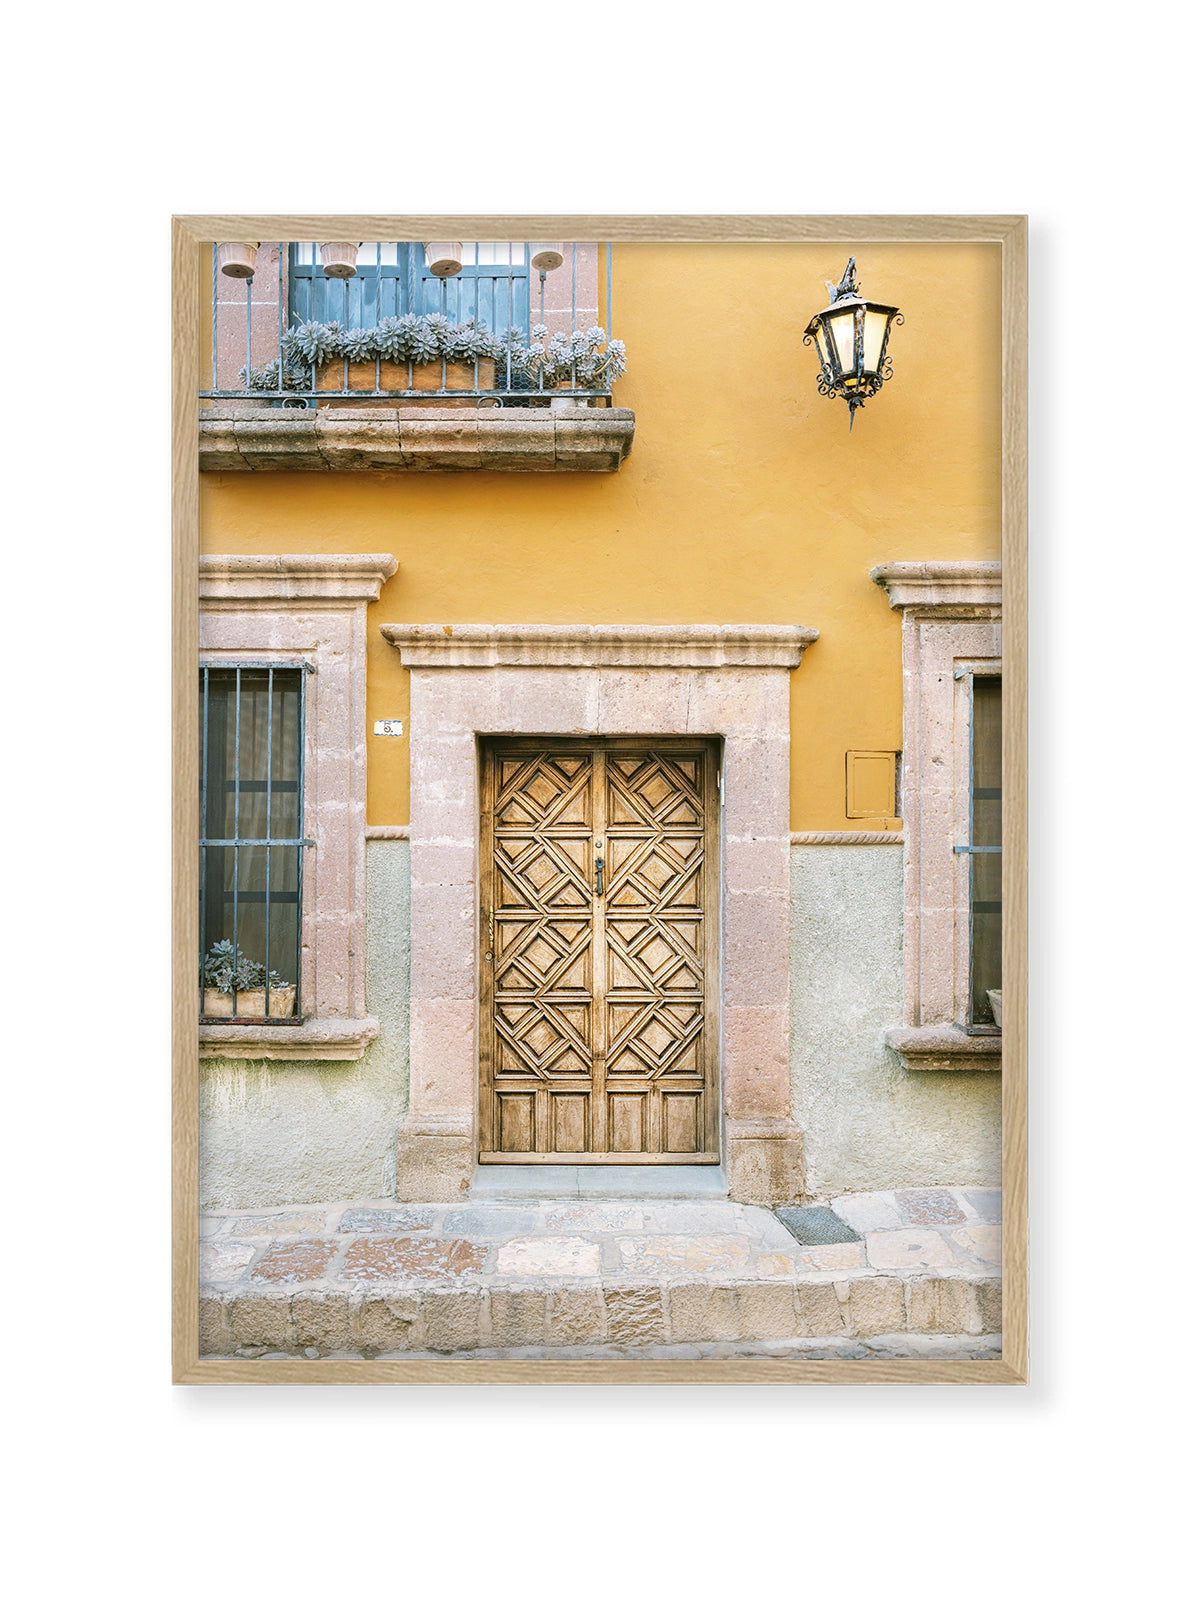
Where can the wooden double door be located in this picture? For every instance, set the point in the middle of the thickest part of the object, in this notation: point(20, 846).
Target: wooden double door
point(599, 951)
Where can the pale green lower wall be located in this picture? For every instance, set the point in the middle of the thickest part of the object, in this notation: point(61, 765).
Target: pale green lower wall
point(273, 1133)
point(868, 1122)
point(277, 1134)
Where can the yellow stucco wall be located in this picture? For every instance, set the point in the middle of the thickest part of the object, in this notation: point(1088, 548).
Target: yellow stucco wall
point(745, 499)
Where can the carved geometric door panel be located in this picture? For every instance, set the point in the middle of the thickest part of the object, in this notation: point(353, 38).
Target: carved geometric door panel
point(599, 951)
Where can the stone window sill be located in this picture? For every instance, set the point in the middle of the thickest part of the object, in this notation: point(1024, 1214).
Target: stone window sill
point(328, 1039)
point(421, 439)
point(945, 1049)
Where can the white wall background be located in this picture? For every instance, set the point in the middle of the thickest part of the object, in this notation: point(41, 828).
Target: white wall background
point(118, 115)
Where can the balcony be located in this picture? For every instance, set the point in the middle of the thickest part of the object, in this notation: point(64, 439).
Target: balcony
point(406, 357)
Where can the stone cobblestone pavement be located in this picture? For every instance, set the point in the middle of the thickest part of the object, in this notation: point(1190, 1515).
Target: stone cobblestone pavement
point(528, 1280)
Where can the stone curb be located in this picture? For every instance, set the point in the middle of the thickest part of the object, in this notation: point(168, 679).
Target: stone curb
point(400, 1319)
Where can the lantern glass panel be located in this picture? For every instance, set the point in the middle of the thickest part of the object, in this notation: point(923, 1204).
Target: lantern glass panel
point(874, 328)
point(841, 338)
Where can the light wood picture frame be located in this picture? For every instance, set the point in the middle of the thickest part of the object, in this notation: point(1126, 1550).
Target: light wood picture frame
point(1008, 236)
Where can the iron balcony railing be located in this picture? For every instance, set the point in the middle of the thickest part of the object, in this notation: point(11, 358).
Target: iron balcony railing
point(499, 292)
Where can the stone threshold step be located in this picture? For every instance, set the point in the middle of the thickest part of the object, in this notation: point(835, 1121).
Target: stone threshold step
point(504, 1182)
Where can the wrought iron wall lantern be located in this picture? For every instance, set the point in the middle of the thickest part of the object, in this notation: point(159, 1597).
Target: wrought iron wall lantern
point(851, 340)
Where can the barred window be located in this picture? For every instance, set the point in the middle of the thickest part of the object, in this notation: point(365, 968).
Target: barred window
point(985, 836)
point(252, 843)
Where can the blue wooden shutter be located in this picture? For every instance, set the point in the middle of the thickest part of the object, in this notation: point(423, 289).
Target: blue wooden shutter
point(497, 296)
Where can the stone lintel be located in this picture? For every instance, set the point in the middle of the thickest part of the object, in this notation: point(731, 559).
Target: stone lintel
point(945, 1049)
point(941, 588)
point(269, 580)
point(429, 644)
point(414, 439)
point(326, 1039)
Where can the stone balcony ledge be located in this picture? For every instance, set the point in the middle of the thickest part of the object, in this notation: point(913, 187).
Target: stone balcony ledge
point(414, 439)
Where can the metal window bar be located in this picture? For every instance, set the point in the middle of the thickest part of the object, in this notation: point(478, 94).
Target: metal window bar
point(978, 1019)
point(501, 280)
point(271, 762)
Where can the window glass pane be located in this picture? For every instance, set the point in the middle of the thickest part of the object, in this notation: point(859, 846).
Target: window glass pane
point(986, 806)
point(250, 730)
point(489, 253)
point(308, 254)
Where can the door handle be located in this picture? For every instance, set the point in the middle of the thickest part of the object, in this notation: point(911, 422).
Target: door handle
point(600, 877)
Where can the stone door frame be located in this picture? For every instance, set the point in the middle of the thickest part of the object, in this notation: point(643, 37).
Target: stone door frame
point(727, 682)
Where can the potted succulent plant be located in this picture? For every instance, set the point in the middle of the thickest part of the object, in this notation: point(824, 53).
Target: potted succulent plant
point(410, 352)
point(340, 260)
point(236, 986)
point(578, 360)
point(236, 260)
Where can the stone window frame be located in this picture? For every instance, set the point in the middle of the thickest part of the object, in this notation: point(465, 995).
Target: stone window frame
point(473, 680)
point(310, 609)
point(951, 633)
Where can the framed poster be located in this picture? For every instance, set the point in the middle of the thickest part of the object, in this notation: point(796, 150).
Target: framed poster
point(599, 855)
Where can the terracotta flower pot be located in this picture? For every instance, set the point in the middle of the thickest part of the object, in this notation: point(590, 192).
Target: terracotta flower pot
point(359, 376)
point(216, 1004)
point(237, 260)
point(339, 260)
point(283, 1001)
point(569, 402)
point(546, 257)
point(459, 375)
point(444, 258)
point(249, 1003)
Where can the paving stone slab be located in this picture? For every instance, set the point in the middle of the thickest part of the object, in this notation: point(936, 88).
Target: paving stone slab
point(908, 1248)
point(869, 1212)
point(372, 1260)
point(300, 1261)
point(590, 1216)
point(489, 1222)
point(928, 1206)
point(277, 1222)
point(816, 1225)
point(985, 1203)
point(549, 1258)
point(225, 1259)
point(395, 1219)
